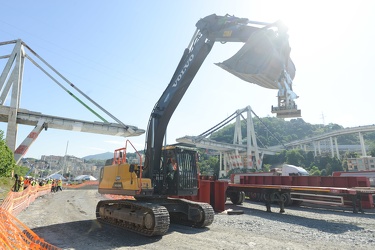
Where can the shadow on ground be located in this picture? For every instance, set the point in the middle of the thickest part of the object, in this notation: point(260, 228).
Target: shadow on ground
point(89, 234)
point(332, 227)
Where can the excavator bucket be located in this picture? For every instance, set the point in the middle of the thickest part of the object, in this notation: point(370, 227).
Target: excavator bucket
point(261, 60)
point(287, 113)
point(264, 60)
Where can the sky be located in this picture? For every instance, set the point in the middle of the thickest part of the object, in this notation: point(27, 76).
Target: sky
point(122, 54)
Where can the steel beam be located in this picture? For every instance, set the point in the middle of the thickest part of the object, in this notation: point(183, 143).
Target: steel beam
point(27, 117)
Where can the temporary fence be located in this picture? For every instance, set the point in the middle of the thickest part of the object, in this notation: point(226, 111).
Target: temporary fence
point(15, 202)
point(13, 233)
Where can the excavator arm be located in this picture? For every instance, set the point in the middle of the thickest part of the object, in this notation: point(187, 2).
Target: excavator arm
point(263, 60)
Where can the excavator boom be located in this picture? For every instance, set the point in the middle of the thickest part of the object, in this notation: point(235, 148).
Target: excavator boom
point(263, 60)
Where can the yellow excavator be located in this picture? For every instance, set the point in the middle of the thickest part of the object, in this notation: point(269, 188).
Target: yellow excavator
point(170, 172)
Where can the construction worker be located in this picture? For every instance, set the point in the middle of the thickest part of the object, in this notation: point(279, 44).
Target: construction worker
point(172, 167)
point(16, 183)
point(59, 185)
point(26, 182)
point(33, 182)
point(53, 188)
point(43, 183)
point(20, 184)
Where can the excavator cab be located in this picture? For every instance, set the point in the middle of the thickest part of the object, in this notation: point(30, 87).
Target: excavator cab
point(178, 174)
point(264, 60)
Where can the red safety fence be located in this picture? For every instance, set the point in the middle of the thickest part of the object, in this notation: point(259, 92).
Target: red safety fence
point(13, 233)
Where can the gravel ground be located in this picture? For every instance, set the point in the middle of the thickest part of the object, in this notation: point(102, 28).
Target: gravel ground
point(67, 219)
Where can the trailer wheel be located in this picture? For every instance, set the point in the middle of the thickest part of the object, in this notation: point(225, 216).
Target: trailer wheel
point(287, 200)
point(242, 197)
point(237, 198)
point(254, 196)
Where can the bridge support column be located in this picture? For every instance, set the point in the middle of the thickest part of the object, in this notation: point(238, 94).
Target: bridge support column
point(314, 145)
point(363, 148)
point(14, 81)
point(331, 144)
point(25, 145)
point(319, 149)
point(337, 148)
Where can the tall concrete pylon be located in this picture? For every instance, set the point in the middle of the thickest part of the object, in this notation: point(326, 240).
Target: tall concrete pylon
point(11, 83)
point(12, 77)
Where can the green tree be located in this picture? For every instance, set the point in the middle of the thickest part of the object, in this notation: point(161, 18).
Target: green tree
point(309, 160)
point(295, 157)
point(372, 151)
point(20, 170)
point(323, 172)
point(7, 162)
point(209, 165)
point(266, 167)
point(329, 169)
point(337, 165)
point(314, 171)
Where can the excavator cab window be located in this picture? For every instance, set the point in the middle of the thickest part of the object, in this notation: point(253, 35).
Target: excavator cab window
point(131, 168)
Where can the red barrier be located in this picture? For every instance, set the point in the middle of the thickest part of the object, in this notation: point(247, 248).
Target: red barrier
point(314, 181)
point(204, 192)
point(220, 198)
point(326, 181)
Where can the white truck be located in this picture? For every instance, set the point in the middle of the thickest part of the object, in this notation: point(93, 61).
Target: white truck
point(288, 170)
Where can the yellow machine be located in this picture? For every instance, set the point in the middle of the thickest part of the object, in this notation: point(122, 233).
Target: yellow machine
point(171, 172)
point(122, 178)
point(151, 211)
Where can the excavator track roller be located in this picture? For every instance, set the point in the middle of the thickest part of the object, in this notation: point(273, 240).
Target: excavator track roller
point(140, 217)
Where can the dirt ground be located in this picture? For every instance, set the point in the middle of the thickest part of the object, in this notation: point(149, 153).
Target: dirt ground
point(67, 220)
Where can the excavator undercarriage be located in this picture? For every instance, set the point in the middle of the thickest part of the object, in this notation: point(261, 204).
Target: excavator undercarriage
point(151, 217)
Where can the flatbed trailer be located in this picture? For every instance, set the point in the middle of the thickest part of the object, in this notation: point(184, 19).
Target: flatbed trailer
point(283, 194)
point(354, 192)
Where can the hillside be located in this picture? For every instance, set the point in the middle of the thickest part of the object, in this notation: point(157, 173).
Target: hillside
point(271, 131)
point(102, 156)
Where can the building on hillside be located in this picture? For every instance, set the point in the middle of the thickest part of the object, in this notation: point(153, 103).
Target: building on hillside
point(364, 163)
point(53, 160)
